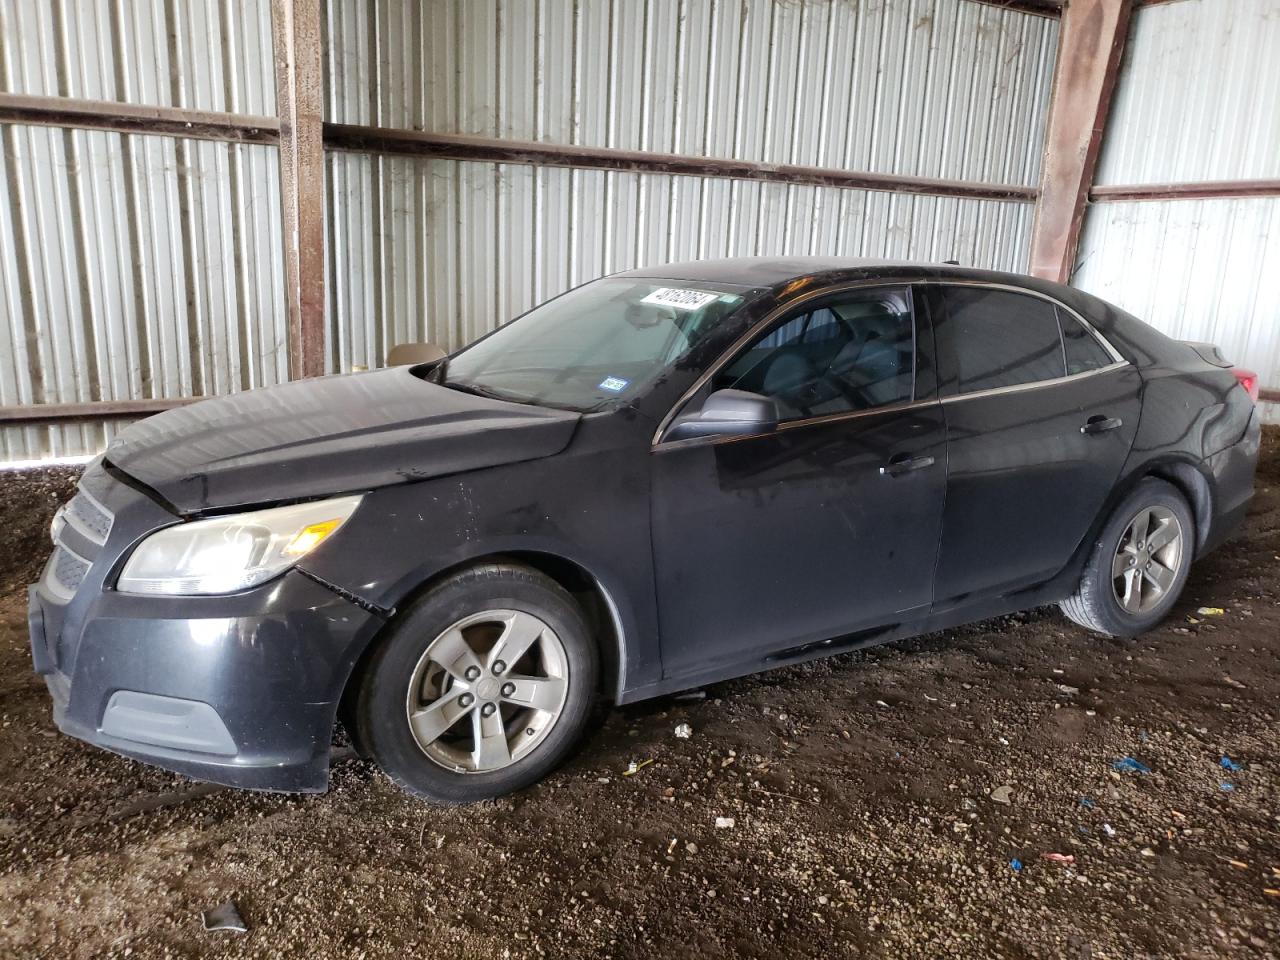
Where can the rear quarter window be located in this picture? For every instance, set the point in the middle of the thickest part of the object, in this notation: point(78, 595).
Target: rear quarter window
point(1082, 349)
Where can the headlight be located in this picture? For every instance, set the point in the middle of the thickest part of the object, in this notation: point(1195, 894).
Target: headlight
point(231, 553)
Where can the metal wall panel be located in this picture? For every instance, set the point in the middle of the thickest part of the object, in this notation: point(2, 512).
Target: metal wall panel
point(1196, 270)
point(1198, 96)
point(137, 267)
point(200, 54)
point(443, 251)
point(134, 267)
point(934, 88)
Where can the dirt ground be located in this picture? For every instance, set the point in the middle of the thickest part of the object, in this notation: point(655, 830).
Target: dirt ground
point(860, 790)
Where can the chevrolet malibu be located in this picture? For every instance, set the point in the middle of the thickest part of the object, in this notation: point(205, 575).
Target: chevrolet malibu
point(661, 479)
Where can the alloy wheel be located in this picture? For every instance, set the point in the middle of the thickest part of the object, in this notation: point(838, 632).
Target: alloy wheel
point(487, 691)
point(1147, 559)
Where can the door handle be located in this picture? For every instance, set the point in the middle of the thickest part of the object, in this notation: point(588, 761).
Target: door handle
point(902, 464)
point(1101, 424)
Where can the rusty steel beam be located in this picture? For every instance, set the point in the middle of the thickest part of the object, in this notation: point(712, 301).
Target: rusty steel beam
point(1196, 190)
point(89, 411)
point(134, 118)
point(1037, 8)
point(453, 147)
point(1090, 49)
point(296, 37)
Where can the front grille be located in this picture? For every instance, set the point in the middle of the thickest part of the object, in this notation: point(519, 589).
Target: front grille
point(79, 532)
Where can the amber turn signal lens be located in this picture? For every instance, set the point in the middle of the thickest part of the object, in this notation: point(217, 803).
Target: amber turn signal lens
point(310, 537)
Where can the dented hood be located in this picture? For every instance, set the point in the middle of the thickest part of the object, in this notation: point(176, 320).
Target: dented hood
point(329, 435)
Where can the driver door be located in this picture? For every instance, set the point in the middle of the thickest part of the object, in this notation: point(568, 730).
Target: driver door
point(827, 525)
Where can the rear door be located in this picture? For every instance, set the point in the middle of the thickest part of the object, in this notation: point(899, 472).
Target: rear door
point(1040, 416)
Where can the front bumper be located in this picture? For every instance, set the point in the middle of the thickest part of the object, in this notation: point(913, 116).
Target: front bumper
point(240, 690)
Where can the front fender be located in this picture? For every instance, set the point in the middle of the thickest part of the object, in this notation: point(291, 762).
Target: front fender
point(634, 652)
point(404, 538)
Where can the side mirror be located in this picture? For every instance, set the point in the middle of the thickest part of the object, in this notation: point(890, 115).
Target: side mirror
point(728, 413)
point(403, 354)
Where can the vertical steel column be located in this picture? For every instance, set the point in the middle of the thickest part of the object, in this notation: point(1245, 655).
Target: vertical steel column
point(1089, 54)
point(296, 37)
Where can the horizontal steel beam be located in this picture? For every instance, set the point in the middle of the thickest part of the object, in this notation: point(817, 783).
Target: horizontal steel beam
point(416, 143)
point(135, 118)
point(1201, 190)
point(1038, 8)
point(23, 415)
point(246, 128)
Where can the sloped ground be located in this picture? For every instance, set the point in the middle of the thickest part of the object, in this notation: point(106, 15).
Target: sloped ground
point(860, 790)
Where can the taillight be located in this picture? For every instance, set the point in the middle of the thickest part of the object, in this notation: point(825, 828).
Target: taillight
point(1249, 380)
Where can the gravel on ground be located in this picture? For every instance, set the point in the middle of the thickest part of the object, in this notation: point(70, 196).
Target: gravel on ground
point(899, 802)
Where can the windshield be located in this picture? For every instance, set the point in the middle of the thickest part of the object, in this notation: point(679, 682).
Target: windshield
point(602, 342)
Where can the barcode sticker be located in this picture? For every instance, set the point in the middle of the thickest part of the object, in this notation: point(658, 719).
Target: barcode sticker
point(681, 299)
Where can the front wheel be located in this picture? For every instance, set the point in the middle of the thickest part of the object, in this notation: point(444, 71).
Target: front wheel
point(482, 686)
point(1139, 563)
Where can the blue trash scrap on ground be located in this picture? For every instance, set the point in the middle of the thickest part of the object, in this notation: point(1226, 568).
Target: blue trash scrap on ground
point(1128, 764)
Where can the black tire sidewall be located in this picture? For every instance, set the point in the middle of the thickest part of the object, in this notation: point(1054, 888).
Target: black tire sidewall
point(1149, 493)
point(382, 717)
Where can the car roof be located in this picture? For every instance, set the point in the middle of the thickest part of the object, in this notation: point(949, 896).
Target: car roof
point(775, 271)
point(774, 274)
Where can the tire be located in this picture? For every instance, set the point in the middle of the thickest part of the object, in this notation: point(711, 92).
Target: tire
point(1097, 604)
point(420, 670)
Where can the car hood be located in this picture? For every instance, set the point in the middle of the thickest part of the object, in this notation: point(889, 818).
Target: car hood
point(329, 435)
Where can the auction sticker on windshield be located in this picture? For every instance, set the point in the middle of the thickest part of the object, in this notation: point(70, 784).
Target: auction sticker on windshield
point(680, 299)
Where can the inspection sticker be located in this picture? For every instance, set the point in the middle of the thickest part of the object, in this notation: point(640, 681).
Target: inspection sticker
point(614, 384)
point(681, 299)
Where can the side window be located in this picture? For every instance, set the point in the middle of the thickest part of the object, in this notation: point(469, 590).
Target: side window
point(996, 338)
point(1083, 350)
point(849, 352)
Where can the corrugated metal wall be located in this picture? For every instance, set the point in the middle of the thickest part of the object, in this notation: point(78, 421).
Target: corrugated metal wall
point(1198, 99)
point(935, 88)
point(133, 266)
point(444, 250)
point(200, 54)
point(136, 267)
point(1195, 269)
point(1199, 95)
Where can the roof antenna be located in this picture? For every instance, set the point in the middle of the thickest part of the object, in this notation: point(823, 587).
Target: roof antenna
point(954, 263)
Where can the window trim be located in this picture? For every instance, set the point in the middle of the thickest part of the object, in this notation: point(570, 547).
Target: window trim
point(758, 328)
point(658, 443)
point(1033, 384)
point(1117, 359)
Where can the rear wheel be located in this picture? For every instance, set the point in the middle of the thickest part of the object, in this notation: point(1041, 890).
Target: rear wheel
point(481, 687)
point(1139, 563)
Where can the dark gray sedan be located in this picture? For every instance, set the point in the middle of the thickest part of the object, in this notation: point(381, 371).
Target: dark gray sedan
point(661, 479)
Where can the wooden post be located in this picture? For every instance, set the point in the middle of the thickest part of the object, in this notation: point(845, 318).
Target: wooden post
point(296, 37)
point(1090, 49)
